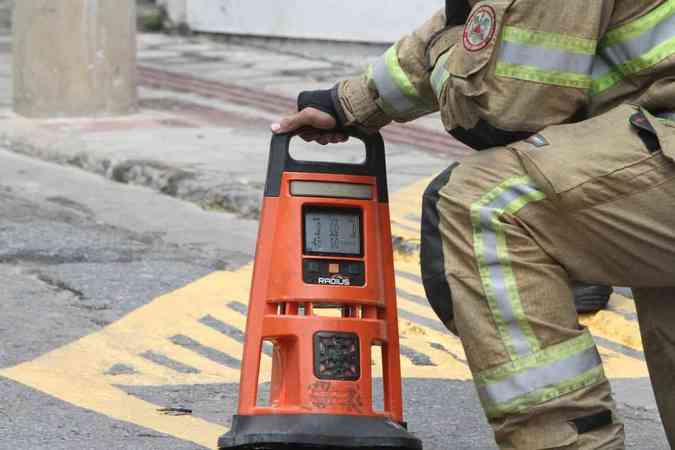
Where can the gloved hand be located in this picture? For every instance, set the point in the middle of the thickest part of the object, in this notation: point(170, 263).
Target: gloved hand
point(590, 298)
point(317, 118)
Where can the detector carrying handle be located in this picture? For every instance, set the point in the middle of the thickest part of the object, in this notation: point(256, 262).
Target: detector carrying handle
point(280, 161)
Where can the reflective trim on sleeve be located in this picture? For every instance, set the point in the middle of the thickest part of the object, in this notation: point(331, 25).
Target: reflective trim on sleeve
point(635, 47)
point(496, 273)
point(369, 74)
point(547, 58)
point(666, 116)
point(548, 374)
point(551, 41)
point(398, 97)
point(440, 74)
point(530, 73)
point(640, 25)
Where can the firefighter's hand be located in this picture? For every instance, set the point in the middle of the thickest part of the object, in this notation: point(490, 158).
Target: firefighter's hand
point(313, 125)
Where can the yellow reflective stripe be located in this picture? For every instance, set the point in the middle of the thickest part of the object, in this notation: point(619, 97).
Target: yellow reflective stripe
point(635, 47)
point(398, 96)
point(398, 74)
point(539, 377)
point(533, 360)
point(552, 77)
point(494, 263)
point(635, 28)
point(550, 40)
point(619, 72)
point(525, 403)
point(440, 74)
point(549, 58)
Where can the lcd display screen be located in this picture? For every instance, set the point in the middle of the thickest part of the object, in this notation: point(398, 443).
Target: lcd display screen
point(330, 231)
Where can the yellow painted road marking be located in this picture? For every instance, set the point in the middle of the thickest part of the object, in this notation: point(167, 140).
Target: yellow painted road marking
point(613, 325)
point(407, 204)
point(78, 372)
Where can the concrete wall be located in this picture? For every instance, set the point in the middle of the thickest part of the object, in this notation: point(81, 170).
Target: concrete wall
point(343, 20)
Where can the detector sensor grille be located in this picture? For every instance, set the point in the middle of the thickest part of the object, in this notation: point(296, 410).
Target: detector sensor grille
point(336, 356)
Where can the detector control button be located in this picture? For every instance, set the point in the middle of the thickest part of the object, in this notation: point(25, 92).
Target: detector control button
point(354, 268)
point(330, 272)
point(312, 266)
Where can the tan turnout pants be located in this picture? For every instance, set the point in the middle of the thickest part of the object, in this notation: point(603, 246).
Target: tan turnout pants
point(586, 201)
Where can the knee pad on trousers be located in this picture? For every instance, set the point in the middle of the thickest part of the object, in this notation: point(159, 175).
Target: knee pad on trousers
point(432, 260)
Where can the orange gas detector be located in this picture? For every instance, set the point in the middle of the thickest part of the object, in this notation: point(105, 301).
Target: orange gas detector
point(324, 243)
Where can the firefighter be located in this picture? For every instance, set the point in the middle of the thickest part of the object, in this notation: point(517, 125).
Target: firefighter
point(573, 105)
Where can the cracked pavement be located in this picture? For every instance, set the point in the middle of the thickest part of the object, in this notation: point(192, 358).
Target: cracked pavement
point(70, 264)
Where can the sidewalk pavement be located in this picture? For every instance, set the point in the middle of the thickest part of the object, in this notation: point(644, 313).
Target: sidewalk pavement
point(202, 129)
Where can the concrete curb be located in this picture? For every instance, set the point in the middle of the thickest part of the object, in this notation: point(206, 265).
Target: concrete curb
point(25, 137)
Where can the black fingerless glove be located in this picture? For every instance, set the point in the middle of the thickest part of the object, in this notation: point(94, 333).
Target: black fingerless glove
point(324, 100)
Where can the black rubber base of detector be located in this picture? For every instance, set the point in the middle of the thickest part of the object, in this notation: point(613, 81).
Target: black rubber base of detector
point(316, 432)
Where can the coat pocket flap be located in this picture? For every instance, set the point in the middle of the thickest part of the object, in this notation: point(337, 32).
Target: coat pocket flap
point(479, 38)
point(567, 156)
point(665, 132)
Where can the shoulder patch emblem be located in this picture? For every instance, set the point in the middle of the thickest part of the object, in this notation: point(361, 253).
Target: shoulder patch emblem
point(480, 28)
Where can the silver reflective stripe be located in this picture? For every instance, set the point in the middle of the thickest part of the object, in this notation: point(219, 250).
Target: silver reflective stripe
point(389, 90)
point(531, 380)
point(498, 277)
point(440, 74)
point(545, 58)
point(631, 49)
point(667, 115)
point(601, 66)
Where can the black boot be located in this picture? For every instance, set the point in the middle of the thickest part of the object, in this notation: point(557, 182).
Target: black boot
point(590, 297)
